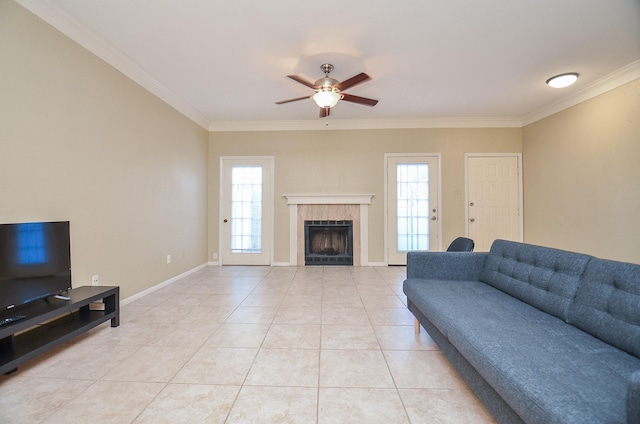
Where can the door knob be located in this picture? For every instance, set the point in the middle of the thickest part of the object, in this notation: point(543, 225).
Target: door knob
point(433, 218)
point(472, 220)
point(225, 220)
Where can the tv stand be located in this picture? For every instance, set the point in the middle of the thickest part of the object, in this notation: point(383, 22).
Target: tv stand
point(54, 322)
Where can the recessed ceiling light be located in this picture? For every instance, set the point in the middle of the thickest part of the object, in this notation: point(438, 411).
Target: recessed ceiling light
point(562, 80)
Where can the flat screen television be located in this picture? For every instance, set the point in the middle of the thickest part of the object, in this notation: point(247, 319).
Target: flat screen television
point(35, 262)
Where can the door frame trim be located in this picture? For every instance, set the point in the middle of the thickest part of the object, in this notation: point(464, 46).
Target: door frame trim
point(270, 224)
point(518, 156)
point(438, 157)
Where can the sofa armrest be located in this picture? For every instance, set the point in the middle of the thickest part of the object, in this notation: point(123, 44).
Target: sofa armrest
point(445, 265)
point(633, 398)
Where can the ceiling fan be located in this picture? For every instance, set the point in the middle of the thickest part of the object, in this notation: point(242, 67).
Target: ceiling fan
point(329, 91)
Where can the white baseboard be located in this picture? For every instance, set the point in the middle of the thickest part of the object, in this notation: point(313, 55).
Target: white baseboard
point(159, 285)
point(376, 264)
point(281, 264)
point(213, 263)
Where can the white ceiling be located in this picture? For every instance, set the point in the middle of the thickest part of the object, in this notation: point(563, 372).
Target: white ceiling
point(223, 63)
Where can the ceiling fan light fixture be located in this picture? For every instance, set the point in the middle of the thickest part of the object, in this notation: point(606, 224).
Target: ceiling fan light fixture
point(326, 99)
point(563, 80)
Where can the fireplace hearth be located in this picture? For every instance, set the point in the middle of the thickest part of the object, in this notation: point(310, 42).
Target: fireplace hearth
point(328, 242)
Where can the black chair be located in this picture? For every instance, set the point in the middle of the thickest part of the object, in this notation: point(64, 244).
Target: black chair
point(461, 244)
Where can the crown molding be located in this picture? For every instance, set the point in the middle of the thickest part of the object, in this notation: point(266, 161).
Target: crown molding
point(56, 16)
point(364, 124)
point(618, 78)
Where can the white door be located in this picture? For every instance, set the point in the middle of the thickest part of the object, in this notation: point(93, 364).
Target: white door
point(412, 205)
point(246, 210)
point(494, 199)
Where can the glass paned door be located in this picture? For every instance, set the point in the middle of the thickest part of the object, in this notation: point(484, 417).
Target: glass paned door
point(412, 205)
point(246, 209)
point(246, 225)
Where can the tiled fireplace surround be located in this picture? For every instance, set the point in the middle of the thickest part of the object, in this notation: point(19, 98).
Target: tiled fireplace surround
point(335, 207)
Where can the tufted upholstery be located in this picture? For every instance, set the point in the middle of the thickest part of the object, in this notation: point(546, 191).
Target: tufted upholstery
point(607, 304)
point(542, 277)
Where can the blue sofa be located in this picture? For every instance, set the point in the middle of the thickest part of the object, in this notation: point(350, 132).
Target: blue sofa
point(541, 335)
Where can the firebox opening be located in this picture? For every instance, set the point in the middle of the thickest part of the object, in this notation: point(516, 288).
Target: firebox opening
point(328, 242)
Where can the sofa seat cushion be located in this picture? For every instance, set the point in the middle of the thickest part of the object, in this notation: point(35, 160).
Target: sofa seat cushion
point(546, 370)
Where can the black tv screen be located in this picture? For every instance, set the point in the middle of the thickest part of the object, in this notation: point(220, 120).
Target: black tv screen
point(35, 262)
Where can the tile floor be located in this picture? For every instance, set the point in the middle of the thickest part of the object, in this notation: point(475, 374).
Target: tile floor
point(250, 345)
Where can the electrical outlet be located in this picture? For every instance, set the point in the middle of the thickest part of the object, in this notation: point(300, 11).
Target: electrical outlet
point(215, 256)
point(95, 280)
point(168, 259)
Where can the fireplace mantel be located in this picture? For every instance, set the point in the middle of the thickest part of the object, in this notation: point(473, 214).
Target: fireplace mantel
point(357, 203)
point(328, 199)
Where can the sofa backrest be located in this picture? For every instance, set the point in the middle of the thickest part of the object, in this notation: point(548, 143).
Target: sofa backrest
point(540, 276)
point(607, 304)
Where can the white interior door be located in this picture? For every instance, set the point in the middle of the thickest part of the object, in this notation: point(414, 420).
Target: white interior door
point(494, 199)
point(412, 205)
point(246, 210)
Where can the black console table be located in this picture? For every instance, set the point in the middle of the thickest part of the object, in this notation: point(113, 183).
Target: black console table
point(53, 321)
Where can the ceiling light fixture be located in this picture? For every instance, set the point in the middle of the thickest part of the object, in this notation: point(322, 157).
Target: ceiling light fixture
point(562, 80)
point(326, 98)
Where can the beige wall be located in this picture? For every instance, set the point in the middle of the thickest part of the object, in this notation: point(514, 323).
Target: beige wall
point(79, 141)
point(352, 162)
point(581, 172)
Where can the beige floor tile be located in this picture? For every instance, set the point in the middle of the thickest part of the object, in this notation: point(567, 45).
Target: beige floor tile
point(285, 367)
point(282, 405)
point(108, 402)
point(354, 368)
point(298, 315)
point(151, 364)
point(236, 288)
point(402, 337)
point(232, 300)
point(206, 314)
point(375, 290)
point(390, 316)
point(371, 301)
point(251, 344)
point(202, 288)
point(302, 300)
point(360, 405)
point(438, 406)
point(293, 336)
point(263, 300)
point(252, 315)
point(238, 335)
point(344, 315)
point(420, 369)
point(338, 301)
point(26, 399)
point(348, 337)
point(190, 403)
point(217, 366)
point(180, 334)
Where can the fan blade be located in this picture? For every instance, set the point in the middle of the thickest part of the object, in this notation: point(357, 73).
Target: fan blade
point(324, 112)
point(346, 84)
point(357, 99)
point(292, 100)
point(302, 81)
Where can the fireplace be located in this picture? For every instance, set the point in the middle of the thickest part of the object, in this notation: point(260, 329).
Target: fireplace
point(328, 242)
